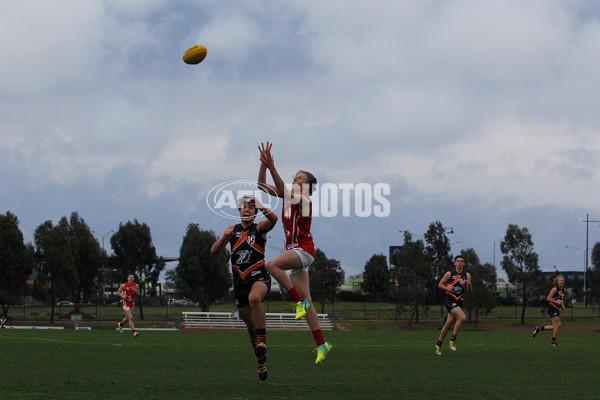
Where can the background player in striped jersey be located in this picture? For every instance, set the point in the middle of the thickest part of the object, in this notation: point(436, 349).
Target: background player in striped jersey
point(296, 218)
point(455, 283)
point(556, 299)
point(127, 292)
point(251, 282)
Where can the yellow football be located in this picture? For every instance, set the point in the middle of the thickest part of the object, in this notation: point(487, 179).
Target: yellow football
point(195, 54)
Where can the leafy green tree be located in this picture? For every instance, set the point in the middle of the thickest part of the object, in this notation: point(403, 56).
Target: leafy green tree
point(200, 276)
point(326, 277)
point(16, 261)
point(135, 254)
point(377, 279)
point(412, 266)
point(57, 272)
point(483, 282)
point(438, 250)
point(593, 281)
point(87, 255)
point(520, 262)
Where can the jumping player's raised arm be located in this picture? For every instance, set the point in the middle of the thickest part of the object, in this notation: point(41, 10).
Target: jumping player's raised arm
point(222, 241)
point(262, 172)
point(271, 219)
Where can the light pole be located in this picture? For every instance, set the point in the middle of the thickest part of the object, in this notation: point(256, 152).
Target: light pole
point(584, 271)
point(104, 258)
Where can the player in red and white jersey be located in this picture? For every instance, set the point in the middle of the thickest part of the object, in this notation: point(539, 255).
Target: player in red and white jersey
point(299, 247)
point(127, 292)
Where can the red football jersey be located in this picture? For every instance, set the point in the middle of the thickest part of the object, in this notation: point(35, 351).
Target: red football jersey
point(129, 294)
point(297, 227)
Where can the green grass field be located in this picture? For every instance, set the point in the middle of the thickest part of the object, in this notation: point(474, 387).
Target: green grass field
point(364, 364)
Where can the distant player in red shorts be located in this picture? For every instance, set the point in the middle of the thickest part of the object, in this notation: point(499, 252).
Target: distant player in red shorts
point(299, 247)
point(127, 291)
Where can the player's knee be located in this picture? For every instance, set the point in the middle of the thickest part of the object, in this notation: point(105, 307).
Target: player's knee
point(270, 266)
point(254, 299)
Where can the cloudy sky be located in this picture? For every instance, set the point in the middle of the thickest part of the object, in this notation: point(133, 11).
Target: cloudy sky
point(476, 113)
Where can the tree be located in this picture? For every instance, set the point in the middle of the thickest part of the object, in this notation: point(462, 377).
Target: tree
point(437, 250)
point(326, 277)
point(593, 282)
point(16, 261)
point(520, 262)
point(57, 274)
point(202, 277)
point(377, 279)
point(135, 254)
point(412, 267)
point(483, 282)
point(87, 256)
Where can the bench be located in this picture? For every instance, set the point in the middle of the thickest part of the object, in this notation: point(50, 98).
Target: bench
point(232, 321)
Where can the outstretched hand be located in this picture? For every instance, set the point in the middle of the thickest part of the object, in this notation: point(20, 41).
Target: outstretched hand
point(265, 155)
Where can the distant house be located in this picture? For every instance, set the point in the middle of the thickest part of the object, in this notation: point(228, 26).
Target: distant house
point(353, 285)
point(505, 289)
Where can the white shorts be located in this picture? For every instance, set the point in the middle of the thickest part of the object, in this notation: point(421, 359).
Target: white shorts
point(125, 308)
point(306, 259)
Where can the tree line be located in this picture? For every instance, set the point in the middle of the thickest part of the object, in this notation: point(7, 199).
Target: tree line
point(414, 271)
point(67, 261)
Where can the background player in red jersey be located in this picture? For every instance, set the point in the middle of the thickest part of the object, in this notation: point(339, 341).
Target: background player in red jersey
point(251, 282)
point(127, 291)
point(299, 251)
point(556, 299)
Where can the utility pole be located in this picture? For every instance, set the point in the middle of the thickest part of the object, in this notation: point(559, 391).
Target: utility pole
point(587, 236)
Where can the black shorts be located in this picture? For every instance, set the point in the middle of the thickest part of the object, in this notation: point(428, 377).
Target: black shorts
point(553, 312)
point(452, 305)
point(242, 287)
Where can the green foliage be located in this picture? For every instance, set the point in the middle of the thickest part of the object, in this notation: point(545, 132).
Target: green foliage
point(16, 261)
point(377, 277)
point(593, 279)
point(57, 273)
point(87, 255)
point(135, 254)
point(202, 277)
point(412, 268)
point(520, 262)
point(483, 283)
point(326, 277)
point(68, 257)
point(437, 250)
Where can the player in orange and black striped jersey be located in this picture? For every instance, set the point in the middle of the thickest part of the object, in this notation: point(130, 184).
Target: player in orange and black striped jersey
point(251, 282)
point(556, 299)
point(455, 283)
